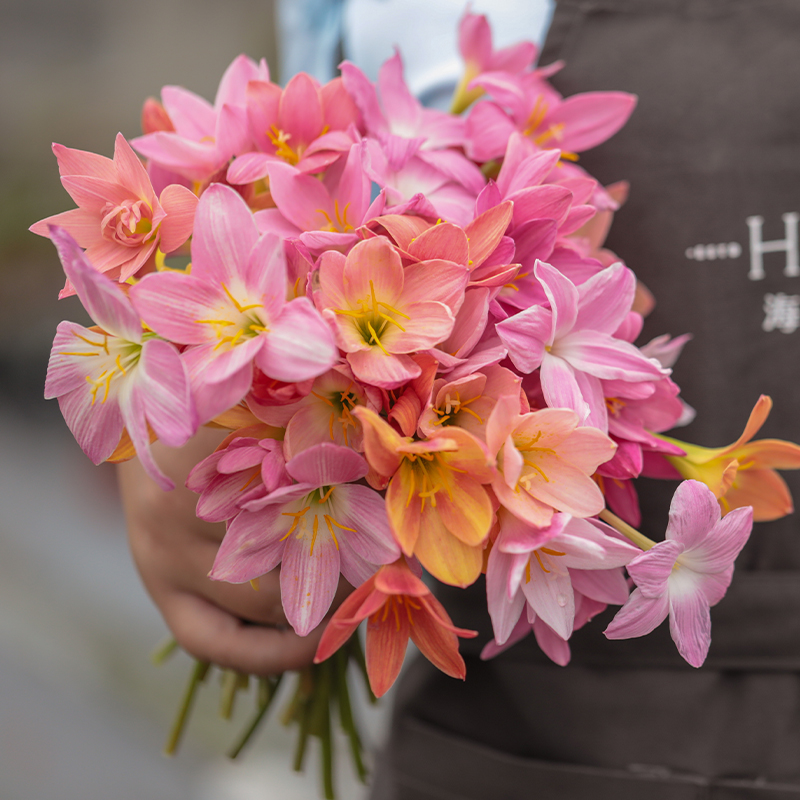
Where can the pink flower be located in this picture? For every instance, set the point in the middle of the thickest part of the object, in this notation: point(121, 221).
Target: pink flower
point(686, 574)
point(304, 125)
point(475, 45)
point(315, 528)
point(115, 378)
point(573, 341)
point(205, 137)
point(383, 312)
point(232, 308)
point(120, 221)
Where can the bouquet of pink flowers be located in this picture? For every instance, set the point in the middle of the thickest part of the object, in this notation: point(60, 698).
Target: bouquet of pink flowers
point(424, 356)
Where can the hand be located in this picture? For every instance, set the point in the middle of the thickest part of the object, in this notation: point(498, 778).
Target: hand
point(230, 625)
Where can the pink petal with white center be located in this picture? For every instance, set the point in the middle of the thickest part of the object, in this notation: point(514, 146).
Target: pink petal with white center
point(265, 275)
point(526, 335)
point(224, 363)
point(299, 345)
point(225, 233)
point(270, 220)
point(168, 403)
point(309, 577)
point(693, 513)
point(652, 569)
point(327, 464)
point(252, 545)
point(605, 299)
point(67, 373)
point(364, 510)
point(550, 595)
point(587, 448)
point(563, 298)
point(102, 298)
point(524, 171)
point(567, 489)
point(249, 168)
point(604, 585)
point(719, 549)
point(690, 625)
point(605, 357)
point(560, 386)
point(97, 428)
point(456, 167)
point(428, 323)
point(638, 617)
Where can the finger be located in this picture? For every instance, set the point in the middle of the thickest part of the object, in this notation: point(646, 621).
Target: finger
point(210, 634)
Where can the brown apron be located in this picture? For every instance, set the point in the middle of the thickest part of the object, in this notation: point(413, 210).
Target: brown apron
point(713, 156)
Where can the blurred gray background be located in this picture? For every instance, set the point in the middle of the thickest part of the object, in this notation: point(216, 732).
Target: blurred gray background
point(83, 713)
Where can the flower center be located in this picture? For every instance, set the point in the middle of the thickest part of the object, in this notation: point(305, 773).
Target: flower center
point(341, 403)
point(341, 225)
point(246, 322)
point(426, 474)
point(396, 603)
point(305, 524)
point(372, 318)
point(130, 223)
point(453, 405)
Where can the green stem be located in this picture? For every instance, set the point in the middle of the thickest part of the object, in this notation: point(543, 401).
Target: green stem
point(639, 539)
point(198, 675)
point(346, 713)
point(230, 685)
point(163, 651)
point(266, 694)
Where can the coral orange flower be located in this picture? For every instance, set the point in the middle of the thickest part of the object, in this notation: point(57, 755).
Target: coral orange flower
point(438, 507)
point(398, 605)
point(743, 473)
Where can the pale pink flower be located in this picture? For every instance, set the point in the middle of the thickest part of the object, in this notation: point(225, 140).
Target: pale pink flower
point(686, 574)
point(115, 378)
point(573, 341)
point(120, 221)
point(322, 525)
point(534, 566)
point(232, 308)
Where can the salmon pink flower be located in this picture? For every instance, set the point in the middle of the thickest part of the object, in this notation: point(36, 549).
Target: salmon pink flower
point(115, 378)
point(120, 221)
point(232, 308)
point(383, 312)
point(397, 605)
point(544, 462)
point(438, 507)
point(321, 525)
point(743, 473)
point(686, 574)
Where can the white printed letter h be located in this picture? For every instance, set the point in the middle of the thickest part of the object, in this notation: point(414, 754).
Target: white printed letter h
point(789, 245)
